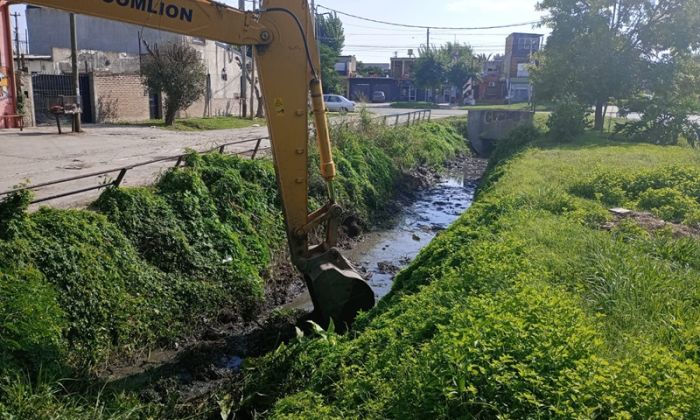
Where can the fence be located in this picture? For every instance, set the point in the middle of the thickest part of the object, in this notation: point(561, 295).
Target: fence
point(412, 118)
point(122, 172)
point(408, 119)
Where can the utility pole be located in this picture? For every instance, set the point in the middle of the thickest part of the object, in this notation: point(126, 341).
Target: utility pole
point(252, 78)
point(17, 51)
point(244, 73)
point(76, 71)
point(313, 15)
point(427, 42)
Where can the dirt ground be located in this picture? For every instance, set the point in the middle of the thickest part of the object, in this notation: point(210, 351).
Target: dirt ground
point(39, 155)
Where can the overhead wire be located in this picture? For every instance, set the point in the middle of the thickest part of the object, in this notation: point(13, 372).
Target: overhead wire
point(405, 25)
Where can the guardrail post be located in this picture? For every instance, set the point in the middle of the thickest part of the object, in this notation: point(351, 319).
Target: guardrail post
point(430, 114)
point(118, 182)
point(222, 148)
point(257, 147)
point(179, 161)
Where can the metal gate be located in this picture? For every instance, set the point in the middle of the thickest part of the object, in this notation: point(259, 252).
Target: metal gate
point(47, 89)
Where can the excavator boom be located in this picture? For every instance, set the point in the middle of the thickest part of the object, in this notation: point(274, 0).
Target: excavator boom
point(289, 73)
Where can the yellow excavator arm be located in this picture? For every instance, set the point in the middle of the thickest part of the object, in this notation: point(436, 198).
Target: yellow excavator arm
point(289, 73)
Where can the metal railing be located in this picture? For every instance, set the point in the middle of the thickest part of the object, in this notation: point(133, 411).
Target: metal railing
point(408, 119)
point(412, 118)
point(122, 172)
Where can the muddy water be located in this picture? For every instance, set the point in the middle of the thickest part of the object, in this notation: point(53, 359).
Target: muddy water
point(381, 254)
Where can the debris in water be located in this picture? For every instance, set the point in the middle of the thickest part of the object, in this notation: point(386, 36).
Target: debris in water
point(387, 267)
point(416, 238)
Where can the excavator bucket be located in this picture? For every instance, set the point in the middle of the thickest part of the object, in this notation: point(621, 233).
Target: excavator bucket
point(338, 292)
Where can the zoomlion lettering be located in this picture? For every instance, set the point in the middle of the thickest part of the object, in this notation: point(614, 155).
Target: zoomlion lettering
point(156, 7)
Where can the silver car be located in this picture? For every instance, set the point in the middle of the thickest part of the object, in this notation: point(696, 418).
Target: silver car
point(337, 103)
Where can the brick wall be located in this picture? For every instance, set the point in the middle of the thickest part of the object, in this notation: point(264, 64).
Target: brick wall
point(120, 97)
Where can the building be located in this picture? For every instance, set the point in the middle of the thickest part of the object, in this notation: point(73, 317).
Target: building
point(520, 48)
point(109, 48)
point(491, 88)
point(346, 67)
point(402, 67)
point(375, 70)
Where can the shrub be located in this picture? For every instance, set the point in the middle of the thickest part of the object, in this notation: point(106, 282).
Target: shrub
point(12, 212)
point(31, 324)
point(669, 204)
point(569, 120)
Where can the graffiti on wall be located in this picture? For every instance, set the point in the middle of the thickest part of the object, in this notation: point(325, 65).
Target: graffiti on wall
point(4, 83)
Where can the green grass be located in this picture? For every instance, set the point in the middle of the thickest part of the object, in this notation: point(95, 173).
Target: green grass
point(146, 267)
point(525, 307)
point(200, 124)
point(508, 107)
point(415, 105)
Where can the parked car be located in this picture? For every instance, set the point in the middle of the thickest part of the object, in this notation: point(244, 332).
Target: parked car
point(378, 96)
point(337, 103)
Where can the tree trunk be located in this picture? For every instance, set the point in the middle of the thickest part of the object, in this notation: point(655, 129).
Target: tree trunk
point(261, 104)
point(599, 124)
point(170, 112)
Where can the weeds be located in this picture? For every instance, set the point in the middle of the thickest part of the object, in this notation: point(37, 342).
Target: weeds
point(144, 267)
point(525, 307)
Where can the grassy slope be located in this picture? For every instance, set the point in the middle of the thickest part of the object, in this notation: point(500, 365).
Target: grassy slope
point(147, 266)
point(524, 308)
point(201, 124)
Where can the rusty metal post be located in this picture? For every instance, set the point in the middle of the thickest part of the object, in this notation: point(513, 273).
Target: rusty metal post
point(257, 147)
point(118, 182)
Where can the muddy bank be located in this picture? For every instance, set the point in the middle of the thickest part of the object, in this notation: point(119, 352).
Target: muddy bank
point(192, 373)
point(431, 203)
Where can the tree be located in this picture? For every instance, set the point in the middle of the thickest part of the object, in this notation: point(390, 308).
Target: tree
point(451, 64)
point(460, 65)
point(177, 71)
point(331, 36)
point(429, 71)
point(600, 49)
point(667, 111)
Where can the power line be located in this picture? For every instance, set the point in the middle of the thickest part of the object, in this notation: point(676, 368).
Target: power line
point(404, 25)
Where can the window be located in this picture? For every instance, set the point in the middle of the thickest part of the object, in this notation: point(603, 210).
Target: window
point(525, 44)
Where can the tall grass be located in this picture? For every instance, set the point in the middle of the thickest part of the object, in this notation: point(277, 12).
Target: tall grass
point(526, 307)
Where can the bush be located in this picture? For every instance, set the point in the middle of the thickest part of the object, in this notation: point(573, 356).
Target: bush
point(669, 204)
point(568, 121)
point(521, 309)
point(31, 324)
point(671, 192)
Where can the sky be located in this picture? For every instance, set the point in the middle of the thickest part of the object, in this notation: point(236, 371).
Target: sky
point(376, 43)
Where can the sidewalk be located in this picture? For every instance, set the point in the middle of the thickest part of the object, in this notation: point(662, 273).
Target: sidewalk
point(40, 155)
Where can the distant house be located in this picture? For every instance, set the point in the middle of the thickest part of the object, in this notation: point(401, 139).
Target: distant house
point(402, 67)
point(346, 67)
point(520, 48)
point(492, 84)
point(110, 53)
point(382, 69)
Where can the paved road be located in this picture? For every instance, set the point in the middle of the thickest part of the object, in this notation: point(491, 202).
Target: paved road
point(40, 155)
point(436, 113)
